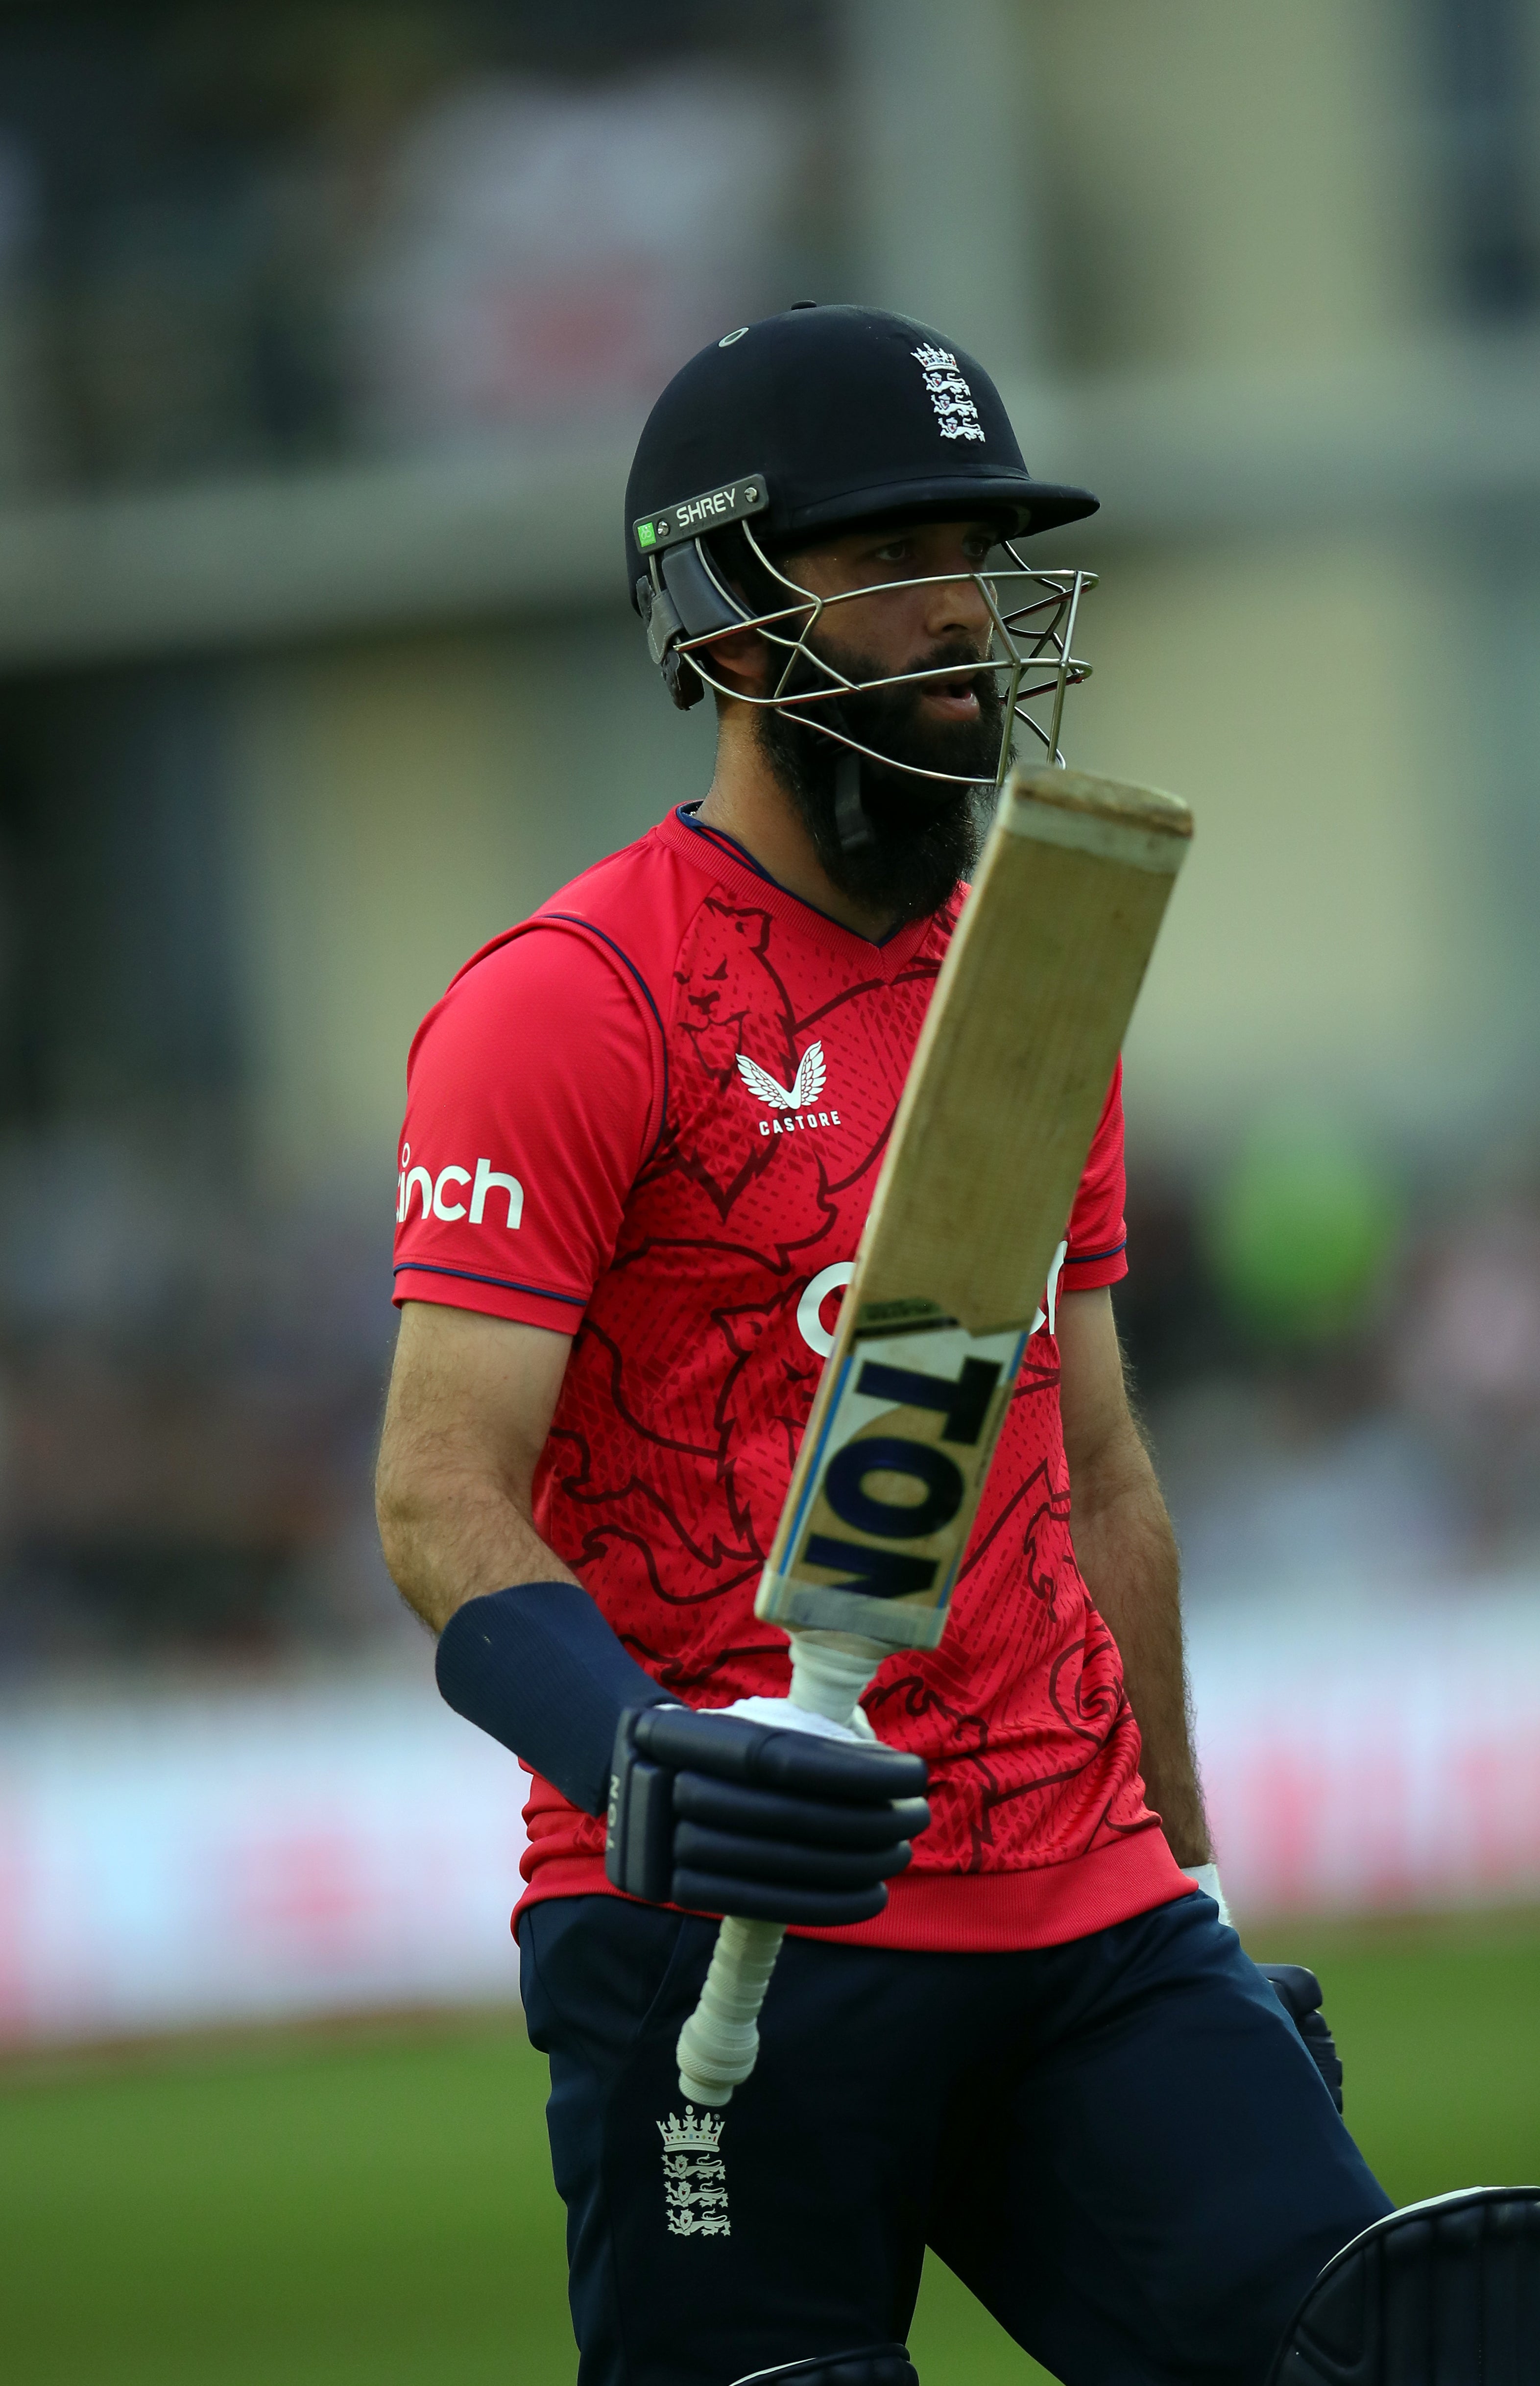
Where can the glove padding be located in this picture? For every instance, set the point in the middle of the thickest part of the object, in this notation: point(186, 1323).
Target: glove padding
point(722, 1816)
point(1298, 1992)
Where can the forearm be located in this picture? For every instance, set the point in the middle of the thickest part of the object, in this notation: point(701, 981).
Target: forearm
point(451, 1535)
point(523, 1651)
point(1127, 1552)
point(465, 1425)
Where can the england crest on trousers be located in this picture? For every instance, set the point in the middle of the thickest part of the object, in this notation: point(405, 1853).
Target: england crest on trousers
point(694, 2178)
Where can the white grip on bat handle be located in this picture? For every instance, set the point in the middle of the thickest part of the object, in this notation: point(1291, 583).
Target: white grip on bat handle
point(719, 2044)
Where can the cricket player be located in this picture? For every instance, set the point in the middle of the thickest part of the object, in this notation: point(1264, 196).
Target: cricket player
point(642, 1129)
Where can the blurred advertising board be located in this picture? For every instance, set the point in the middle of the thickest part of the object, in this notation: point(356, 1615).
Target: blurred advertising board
point(174, 1861)
point(182, 1861)
point(1360, 1754)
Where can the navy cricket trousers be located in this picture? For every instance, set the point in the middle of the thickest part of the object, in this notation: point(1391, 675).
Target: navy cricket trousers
point(1121, 2145)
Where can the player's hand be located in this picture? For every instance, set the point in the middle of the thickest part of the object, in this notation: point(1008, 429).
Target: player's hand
point(1298, 1992)
point(724, 1815)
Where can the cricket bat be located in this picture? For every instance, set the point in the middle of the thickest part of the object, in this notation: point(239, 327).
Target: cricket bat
point(957, 1260)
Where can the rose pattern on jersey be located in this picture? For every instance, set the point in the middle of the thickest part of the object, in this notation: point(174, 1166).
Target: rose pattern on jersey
point(1082, 1682)
point(1033, 1510)
point(690, 1383)
point(990, 1769)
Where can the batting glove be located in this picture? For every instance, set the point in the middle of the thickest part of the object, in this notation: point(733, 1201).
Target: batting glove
point(720, 1814)
point(1298, 1992)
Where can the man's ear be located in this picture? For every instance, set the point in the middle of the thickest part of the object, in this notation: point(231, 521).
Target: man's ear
point(741, 660)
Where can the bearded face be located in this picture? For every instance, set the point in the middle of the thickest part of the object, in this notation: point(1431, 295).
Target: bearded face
point(925, 832)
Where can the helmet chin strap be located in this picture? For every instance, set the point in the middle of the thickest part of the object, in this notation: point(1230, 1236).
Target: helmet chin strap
point(851, 825)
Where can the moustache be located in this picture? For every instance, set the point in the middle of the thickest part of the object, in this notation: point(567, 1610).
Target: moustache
point(951, 668)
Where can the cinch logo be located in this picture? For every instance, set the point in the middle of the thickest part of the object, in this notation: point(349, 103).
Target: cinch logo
point(409, 1181)
point(798, 1098)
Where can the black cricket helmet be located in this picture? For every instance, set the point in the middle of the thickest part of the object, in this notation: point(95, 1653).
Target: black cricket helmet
point(790, 431)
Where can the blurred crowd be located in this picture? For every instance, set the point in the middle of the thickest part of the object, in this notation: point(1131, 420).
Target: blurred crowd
point(238, 238)
point(189, 1391)
point(1340, 1371)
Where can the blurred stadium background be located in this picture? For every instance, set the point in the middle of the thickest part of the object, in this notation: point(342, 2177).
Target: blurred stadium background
point(325, 332)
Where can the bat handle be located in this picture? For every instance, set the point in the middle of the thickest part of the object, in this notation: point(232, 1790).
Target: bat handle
point(719, 2044)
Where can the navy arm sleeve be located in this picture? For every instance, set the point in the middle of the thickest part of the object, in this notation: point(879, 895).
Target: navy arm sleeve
point(538, 1667)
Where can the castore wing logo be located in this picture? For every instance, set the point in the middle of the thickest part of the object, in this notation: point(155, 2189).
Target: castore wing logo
point(797, 1099)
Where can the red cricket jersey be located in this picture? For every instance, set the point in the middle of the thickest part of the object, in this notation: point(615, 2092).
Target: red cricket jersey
point(652, 1118)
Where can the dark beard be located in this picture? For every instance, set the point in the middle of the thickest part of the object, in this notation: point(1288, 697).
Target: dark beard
point(925, 832)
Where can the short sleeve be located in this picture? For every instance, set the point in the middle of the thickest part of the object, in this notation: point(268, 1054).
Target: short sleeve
point(1098, 1238)
point(534, 1091)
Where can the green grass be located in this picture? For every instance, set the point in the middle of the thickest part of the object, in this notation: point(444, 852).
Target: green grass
point(373, 2205)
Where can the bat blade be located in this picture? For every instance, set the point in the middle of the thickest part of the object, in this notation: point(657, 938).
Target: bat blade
point(987, 1148)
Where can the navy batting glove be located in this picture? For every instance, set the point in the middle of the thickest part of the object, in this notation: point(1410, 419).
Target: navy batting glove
point(1298, 1992)
point(723, 1816)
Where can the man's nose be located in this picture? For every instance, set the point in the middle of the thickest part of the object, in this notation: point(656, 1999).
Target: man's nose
point(954, 604)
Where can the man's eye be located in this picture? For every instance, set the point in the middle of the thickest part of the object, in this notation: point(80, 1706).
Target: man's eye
point(899, 551)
